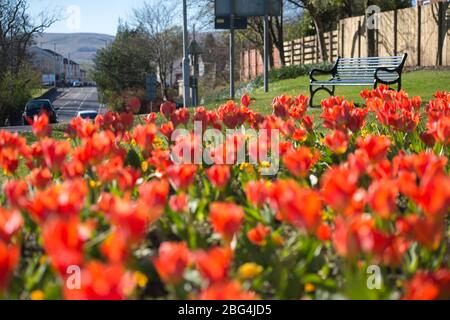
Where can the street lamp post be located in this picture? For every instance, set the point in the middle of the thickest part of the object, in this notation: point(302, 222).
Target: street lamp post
point(186, 62)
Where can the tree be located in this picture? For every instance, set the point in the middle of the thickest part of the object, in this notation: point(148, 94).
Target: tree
point(215, 57)
point(164, 37)
point(320, 11)
point(123, 64)
point(17, 30)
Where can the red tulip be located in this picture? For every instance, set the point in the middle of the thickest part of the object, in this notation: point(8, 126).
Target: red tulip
point(102, 282)
point(41, 126)
point(16, 192)
point(258, 235)
point(133, 105)
point(382, 197)
point(154, 194)
point(180, 116)
point(258, 192)
point(219, 175)
point(167, 109)
point(246, 100)
point(427, 285)
point(299, 206)
point(10, 223)
point(300, 161)
point(376, 147)
point(226, 219)
point(144, 136)
point(337, 142)
point(179, 203)
point(64, 242)
point(9, 258)
point(172, 261)
point(181, 176)
point(226, 291)
point(214, 264)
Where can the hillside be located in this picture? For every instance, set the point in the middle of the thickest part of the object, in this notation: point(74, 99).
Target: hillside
point(82, 47)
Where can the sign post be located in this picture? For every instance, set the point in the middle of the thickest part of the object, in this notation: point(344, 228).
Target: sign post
point(232, 56)
point(186, 62)
point(266, 48)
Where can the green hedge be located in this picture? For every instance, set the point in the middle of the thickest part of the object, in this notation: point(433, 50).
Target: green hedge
point(283, 73)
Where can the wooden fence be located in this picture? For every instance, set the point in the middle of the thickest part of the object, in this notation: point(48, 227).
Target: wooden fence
point(423, 32)
point(306, 50)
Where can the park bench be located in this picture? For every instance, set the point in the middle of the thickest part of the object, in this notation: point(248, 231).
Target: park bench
point(370, 71)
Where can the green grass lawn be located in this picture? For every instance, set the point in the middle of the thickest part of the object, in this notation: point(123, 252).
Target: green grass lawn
point(422, 83)
point(40, 92)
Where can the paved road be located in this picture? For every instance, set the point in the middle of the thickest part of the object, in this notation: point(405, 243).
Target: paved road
point(75, 99)
point(70, 101)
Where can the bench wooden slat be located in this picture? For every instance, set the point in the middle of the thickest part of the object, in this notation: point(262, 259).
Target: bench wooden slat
point(399, 58)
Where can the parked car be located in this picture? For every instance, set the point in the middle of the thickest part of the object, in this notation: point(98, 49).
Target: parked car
point(88, 114)
point(77, 84)
point(36, 107)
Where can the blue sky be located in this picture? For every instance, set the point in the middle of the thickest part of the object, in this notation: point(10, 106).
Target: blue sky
point(100, 16)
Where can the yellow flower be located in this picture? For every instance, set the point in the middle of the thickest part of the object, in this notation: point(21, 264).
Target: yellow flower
point(364, 132)
point(250, 270)
point(309, 287)
point(277, 240)
point(247, 167)
point(141, 279)
point(94, 184)
point(144, 166)
point(37, 295)
point(265, 164)
point(244, 166)
point(158, 142)
point(43, 260)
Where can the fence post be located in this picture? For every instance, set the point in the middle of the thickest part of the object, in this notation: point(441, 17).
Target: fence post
point(256, 57)
point(441, 32)
point(302, 51)
point(342, 44)
point(359, 38)
point(316, 49)
point(292, 52)
point(330, 40)
point(419, 35)
point(395, 31)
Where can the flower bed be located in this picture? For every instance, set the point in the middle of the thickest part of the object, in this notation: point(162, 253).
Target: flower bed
point(275, 210)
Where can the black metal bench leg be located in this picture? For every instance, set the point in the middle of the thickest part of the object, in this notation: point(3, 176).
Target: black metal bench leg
point(311, 96)
point(313, 93)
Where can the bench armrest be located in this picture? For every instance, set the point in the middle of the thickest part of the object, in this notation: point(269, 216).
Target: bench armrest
point(315, 72)
point(389, 70)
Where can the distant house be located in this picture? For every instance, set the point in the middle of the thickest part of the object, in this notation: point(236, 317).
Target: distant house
point(47, 62)
point(83, 75)
point(51, 63)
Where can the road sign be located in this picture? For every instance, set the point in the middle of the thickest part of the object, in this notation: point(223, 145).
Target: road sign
point(248, 8)
point(224, 23)
point(151, 84)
